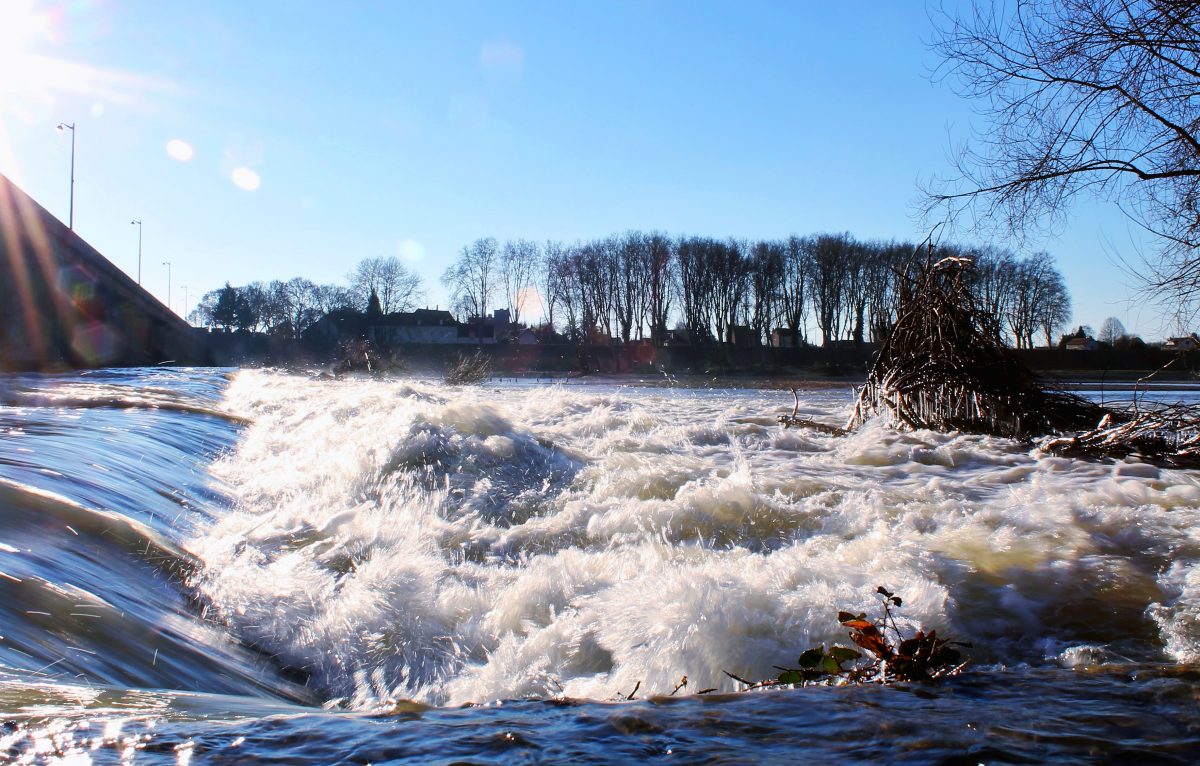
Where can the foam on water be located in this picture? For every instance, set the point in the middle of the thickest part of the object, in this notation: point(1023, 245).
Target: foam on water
point(410, 540)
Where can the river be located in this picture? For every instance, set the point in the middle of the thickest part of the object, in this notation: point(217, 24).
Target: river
point(208, 566)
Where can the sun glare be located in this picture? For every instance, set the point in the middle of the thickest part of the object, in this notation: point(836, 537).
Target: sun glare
point(28, 76)
point(20, 26)
point(529, 301)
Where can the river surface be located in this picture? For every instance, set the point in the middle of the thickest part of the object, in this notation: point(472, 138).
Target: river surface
point(204, 566)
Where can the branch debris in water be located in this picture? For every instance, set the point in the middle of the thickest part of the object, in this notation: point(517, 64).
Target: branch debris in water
point(944, 366)
point(1169, 435)
point(475, 368)
point(890, 656)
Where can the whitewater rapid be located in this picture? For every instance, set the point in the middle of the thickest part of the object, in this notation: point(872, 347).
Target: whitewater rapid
point(404, 539)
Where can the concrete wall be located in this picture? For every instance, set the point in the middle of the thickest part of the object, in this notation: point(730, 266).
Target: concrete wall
point(63, 305)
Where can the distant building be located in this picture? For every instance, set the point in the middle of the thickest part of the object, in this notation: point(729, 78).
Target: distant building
point(782, 337)
point(683, 336)
point(1078, 341)
point(486, 330)
point(1188, 342)
point(678, 337)
point(525, 337)
point(420, 326)
point(337, 326)
point(742, 335)
point(427, 326)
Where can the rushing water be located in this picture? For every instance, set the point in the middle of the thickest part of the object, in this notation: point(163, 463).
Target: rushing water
point(202, 567)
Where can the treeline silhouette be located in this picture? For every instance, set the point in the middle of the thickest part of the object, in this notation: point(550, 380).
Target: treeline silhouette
point(288, 308)
point(645, 286)
point(631, 286)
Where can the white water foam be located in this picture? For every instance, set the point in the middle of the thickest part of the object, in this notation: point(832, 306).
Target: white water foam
point(412, 540)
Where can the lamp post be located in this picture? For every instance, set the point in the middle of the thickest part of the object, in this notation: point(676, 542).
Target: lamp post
point(168, 265)
point(139, 225)
point(71, 216)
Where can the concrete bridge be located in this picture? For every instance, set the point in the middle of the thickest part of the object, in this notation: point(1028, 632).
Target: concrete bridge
point(64, 306)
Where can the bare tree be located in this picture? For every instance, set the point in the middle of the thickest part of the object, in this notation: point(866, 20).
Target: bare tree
point(472, 279)
point(1055, 309)
point(854, 288)
point(569, 289)
point(398, 288)
point(885, 262)
point(695, 279)
point(995, 279)
point(1111, 331)
point(205, 314)
point(659, 293)
point(333, 297)
point(260, 302)
point(552, 286)
point(597, 269)
point(518, 260)
point(552, 255)
point(766, 282)
point(304, 304)
point(793, 292)
point(730, 286)
point(1036, 287)
point(828, 264)
point(630, 283)
point(1082, 96)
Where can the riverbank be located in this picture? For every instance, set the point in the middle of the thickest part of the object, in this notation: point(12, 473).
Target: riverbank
point(251, 349)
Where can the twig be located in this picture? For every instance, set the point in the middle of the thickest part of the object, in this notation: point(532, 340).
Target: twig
point(1139, 382)
point(682, 683)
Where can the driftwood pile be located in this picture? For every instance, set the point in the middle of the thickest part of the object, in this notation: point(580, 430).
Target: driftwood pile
point(943, 366)
point(1167, 435)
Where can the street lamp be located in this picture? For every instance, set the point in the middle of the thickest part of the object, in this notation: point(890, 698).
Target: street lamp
point(168, 265)
point(139, 225)
point(71, 127)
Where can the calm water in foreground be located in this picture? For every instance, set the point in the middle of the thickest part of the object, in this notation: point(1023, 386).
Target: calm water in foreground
point(203, 567)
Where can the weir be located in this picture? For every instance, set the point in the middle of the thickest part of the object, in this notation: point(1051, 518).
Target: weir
point(64, 305)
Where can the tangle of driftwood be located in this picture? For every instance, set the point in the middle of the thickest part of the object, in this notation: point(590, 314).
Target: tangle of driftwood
point(1168, 435)
point(794, 420)
point(944, 366)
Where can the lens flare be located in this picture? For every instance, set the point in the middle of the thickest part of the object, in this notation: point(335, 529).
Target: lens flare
point(180, 150)
point(529, 301)
point(246, 179)
point(411, 250)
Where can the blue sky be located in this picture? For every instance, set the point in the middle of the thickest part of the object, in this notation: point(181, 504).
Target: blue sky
point(360, 129)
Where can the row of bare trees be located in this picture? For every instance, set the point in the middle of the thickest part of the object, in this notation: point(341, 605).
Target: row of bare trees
point(1027, 296)
point(631, 286)
point(289, 307)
